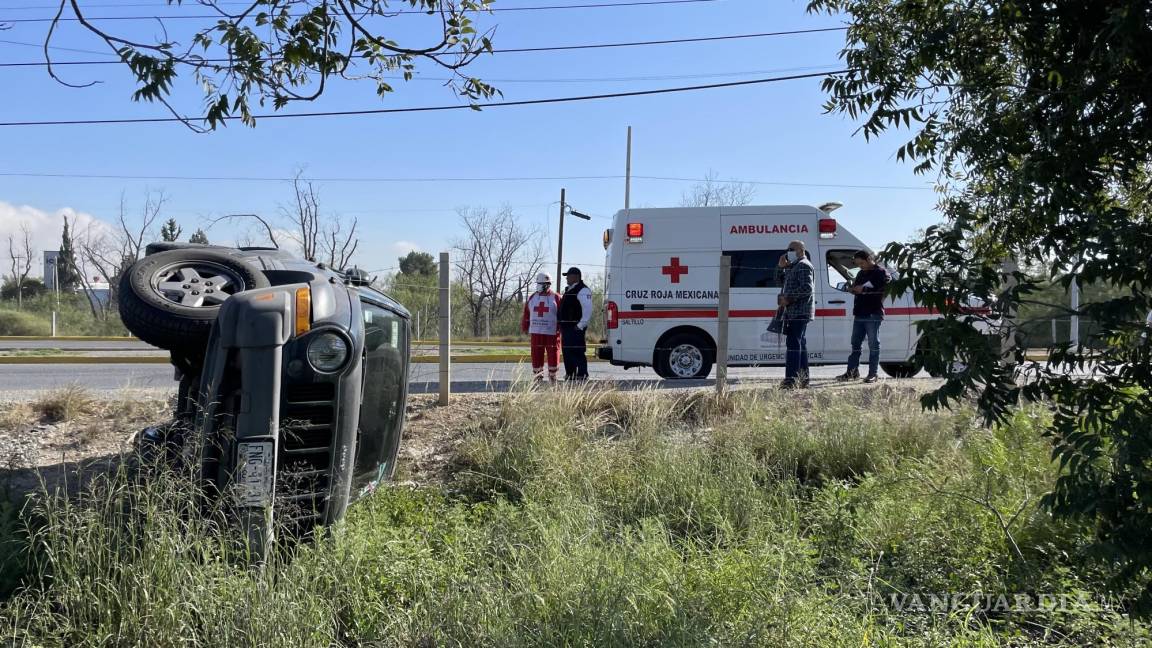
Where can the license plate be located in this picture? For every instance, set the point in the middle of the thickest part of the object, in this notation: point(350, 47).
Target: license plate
point(255, 467)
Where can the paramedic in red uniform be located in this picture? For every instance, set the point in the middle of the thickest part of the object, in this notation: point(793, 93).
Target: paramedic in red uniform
point(796, 298)
point(575, 313)
point(541, 320)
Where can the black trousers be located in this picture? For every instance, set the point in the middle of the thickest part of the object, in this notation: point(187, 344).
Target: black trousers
point(575, 348)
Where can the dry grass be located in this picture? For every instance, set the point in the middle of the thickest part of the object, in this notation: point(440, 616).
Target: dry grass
point(64, 404)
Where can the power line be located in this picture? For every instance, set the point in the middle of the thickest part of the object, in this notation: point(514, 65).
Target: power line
point(385, 111)
point(182, 178)
point(591, 5)
point(515, 50)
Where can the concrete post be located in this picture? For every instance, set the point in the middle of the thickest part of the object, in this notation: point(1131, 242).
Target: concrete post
point(722, 325)
point(445, 329)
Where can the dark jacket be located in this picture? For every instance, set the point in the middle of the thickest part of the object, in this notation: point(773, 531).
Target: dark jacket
point(571, 311)
point(871, 301)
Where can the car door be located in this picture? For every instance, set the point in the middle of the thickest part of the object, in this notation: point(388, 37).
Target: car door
point(835, 303)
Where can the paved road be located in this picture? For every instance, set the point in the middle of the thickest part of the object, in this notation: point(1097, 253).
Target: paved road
point(465, 378)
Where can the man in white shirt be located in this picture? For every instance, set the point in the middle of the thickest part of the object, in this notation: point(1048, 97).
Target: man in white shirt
point(575, 314)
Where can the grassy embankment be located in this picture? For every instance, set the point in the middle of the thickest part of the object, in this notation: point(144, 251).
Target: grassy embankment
point(598, 519)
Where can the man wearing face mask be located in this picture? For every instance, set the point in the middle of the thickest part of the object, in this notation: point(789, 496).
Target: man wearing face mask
point(799, 309)
point(541, 321)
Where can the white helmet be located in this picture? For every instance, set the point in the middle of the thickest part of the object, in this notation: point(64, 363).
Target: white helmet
point(543, 278)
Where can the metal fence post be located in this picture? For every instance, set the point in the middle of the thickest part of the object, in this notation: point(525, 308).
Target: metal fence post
point(445, 330)
point(722, 325)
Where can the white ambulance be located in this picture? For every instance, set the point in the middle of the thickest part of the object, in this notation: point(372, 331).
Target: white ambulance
point(662, 289)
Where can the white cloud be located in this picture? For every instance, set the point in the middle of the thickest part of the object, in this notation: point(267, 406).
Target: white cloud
point(45, 229)
point(402, 248)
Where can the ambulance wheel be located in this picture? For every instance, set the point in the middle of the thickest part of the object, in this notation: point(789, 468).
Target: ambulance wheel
point(684, 356)
point(900, 369)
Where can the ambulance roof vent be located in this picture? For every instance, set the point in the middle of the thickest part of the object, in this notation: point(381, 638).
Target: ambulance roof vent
point(830, 207)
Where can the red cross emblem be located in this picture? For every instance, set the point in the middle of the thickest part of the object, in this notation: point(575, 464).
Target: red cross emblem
point(674, 270)
point(541, 309)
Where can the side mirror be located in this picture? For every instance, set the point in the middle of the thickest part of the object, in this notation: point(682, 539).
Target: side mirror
point(842, 286)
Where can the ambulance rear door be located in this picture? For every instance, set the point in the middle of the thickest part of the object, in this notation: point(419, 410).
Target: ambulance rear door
point(755, 238)
point(670, 277)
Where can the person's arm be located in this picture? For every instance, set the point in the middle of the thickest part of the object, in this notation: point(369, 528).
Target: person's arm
point(524, 319)
point(585, 297)
point(879, 281)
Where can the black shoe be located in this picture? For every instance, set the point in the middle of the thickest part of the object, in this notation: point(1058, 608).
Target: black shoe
point(870, 379)
point(848, 375)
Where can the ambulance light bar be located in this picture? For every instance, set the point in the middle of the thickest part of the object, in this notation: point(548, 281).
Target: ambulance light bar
point(827, 228)
point(635, 232)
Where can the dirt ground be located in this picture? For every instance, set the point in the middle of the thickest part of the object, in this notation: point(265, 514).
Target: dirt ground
point(35, 448)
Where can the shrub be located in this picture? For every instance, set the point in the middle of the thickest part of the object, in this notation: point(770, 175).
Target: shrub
point(64, 404)
point(20, 323)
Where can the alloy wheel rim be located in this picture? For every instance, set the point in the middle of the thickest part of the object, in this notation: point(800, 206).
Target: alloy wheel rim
point(196, 284)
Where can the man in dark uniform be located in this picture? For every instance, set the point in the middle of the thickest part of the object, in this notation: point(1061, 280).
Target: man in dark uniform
point(575, 313)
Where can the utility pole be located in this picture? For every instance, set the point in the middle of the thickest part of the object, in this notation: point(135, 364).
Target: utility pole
point(55, 261)
point(560, 240)
point(628, 172)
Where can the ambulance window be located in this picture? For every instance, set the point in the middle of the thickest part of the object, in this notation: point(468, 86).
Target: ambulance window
point(841, 267)
point(755, 268)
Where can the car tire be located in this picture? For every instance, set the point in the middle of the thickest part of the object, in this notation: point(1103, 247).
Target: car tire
point(684, 356)
point(900, 369)
point(170, 299)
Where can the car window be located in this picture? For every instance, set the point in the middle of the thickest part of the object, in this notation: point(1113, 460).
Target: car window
point(755, 268)
point(841, 267)
point(385, 382)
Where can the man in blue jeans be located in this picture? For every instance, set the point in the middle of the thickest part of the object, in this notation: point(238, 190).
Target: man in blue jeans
point(799, 309)
point(867, 314)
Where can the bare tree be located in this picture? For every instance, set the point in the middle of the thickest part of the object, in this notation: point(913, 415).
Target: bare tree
point(713, 192)
point(495, 261)
point(327, 238)
point(21, 255)
point(105, 253)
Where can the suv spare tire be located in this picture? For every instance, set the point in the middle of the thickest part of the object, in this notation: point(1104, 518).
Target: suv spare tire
point(170, 299)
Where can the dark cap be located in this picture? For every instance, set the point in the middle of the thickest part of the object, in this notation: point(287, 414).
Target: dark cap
point(573, 271)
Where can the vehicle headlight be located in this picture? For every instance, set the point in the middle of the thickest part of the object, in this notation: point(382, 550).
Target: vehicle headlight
point(327, 352)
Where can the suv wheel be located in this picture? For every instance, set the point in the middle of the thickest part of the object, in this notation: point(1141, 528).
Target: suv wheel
point(170, 299)
point(683, 356)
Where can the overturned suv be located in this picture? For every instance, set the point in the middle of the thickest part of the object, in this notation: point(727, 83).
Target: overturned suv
point(293, 378)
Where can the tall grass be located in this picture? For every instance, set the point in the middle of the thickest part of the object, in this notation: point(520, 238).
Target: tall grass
point(592, 518)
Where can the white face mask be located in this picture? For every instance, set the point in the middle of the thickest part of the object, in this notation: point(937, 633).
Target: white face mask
point(792, 256)
point(542, 287)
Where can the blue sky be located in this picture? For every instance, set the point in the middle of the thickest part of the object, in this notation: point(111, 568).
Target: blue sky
point(770, 133)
